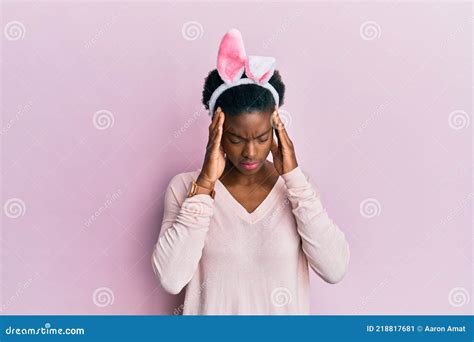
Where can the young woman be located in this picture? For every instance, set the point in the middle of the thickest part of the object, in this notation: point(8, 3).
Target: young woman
point(240, 232)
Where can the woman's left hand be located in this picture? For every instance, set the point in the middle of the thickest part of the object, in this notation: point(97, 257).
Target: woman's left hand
point(283, 152)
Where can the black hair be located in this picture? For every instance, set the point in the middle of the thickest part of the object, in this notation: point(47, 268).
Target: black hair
point(243, 98)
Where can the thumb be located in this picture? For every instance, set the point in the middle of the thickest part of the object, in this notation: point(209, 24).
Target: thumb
point(274, 149)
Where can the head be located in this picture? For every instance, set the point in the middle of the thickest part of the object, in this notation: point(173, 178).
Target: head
point(248, 130)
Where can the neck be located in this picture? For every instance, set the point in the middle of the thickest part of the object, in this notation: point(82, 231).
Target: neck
point(232, 174)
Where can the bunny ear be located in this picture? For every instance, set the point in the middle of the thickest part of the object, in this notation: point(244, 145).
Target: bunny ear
point(231, 57)
point(259, 68)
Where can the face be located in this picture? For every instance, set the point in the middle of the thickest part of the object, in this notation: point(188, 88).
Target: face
point(247, 138)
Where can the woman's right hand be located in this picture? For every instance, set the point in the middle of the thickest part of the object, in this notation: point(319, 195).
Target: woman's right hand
point(214, 160)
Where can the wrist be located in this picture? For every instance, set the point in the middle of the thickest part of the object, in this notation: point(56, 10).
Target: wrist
point(202, 182)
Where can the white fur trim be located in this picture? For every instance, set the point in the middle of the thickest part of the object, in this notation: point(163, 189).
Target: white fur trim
point(224, 86)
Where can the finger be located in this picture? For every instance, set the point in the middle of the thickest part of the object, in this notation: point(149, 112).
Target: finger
point(274, 148)
point(283, 137)
point(275, 124)
point(218, 127)
point(212, 132)
point(215, 119)
point(216, 144)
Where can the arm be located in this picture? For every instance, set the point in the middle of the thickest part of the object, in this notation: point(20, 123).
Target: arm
point(183, 232)
point(184, 228)
point(323, 243)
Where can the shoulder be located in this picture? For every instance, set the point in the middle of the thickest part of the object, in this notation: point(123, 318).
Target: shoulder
point(179, 184)
point(183, 179)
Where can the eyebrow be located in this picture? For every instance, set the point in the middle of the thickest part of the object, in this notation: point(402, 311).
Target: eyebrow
point(238, 136)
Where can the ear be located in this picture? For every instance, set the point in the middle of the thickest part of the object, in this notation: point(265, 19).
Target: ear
point(231, 57)
point(260, 68)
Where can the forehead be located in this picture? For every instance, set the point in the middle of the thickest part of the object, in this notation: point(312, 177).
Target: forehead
point(254, 123)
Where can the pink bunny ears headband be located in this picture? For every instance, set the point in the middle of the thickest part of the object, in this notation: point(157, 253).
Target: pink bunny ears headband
point(232, 61)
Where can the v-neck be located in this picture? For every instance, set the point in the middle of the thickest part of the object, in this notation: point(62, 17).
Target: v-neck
point(260, 211)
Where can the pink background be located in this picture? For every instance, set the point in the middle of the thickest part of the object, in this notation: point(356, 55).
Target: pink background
point(381, 115)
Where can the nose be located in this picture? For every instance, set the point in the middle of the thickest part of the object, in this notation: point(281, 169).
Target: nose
point(250, 151)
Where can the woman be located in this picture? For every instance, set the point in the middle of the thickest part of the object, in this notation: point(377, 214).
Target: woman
point(239, 232)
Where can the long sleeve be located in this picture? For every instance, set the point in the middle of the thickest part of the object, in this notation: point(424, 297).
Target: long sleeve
point(183, 232)
point(323, 243)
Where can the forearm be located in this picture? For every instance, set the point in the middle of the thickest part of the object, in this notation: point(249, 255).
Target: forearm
point(323, 243)
point(179, 248)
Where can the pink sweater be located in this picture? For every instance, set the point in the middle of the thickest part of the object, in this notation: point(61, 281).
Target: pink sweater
point(237, 263)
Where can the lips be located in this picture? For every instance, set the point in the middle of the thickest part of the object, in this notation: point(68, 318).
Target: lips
point(249, 165)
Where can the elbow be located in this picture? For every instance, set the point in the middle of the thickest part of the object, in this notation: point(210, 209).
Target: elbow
point(338, 273)
point(167, 281)
point(169, 286)
point(335, 277)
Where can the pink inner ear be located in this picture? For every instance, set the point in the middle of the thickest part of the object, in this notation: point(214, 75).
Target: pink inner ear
point(265, 77)
point(260, 68)
point(231, 57)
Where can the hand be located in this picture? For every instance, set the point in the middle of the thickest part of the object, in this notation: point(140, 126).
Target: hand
point(214, 160)
point(284, 157)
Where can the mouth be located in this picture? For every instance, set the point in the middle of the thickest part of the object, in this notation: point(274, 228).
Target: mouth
point(249, 165)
